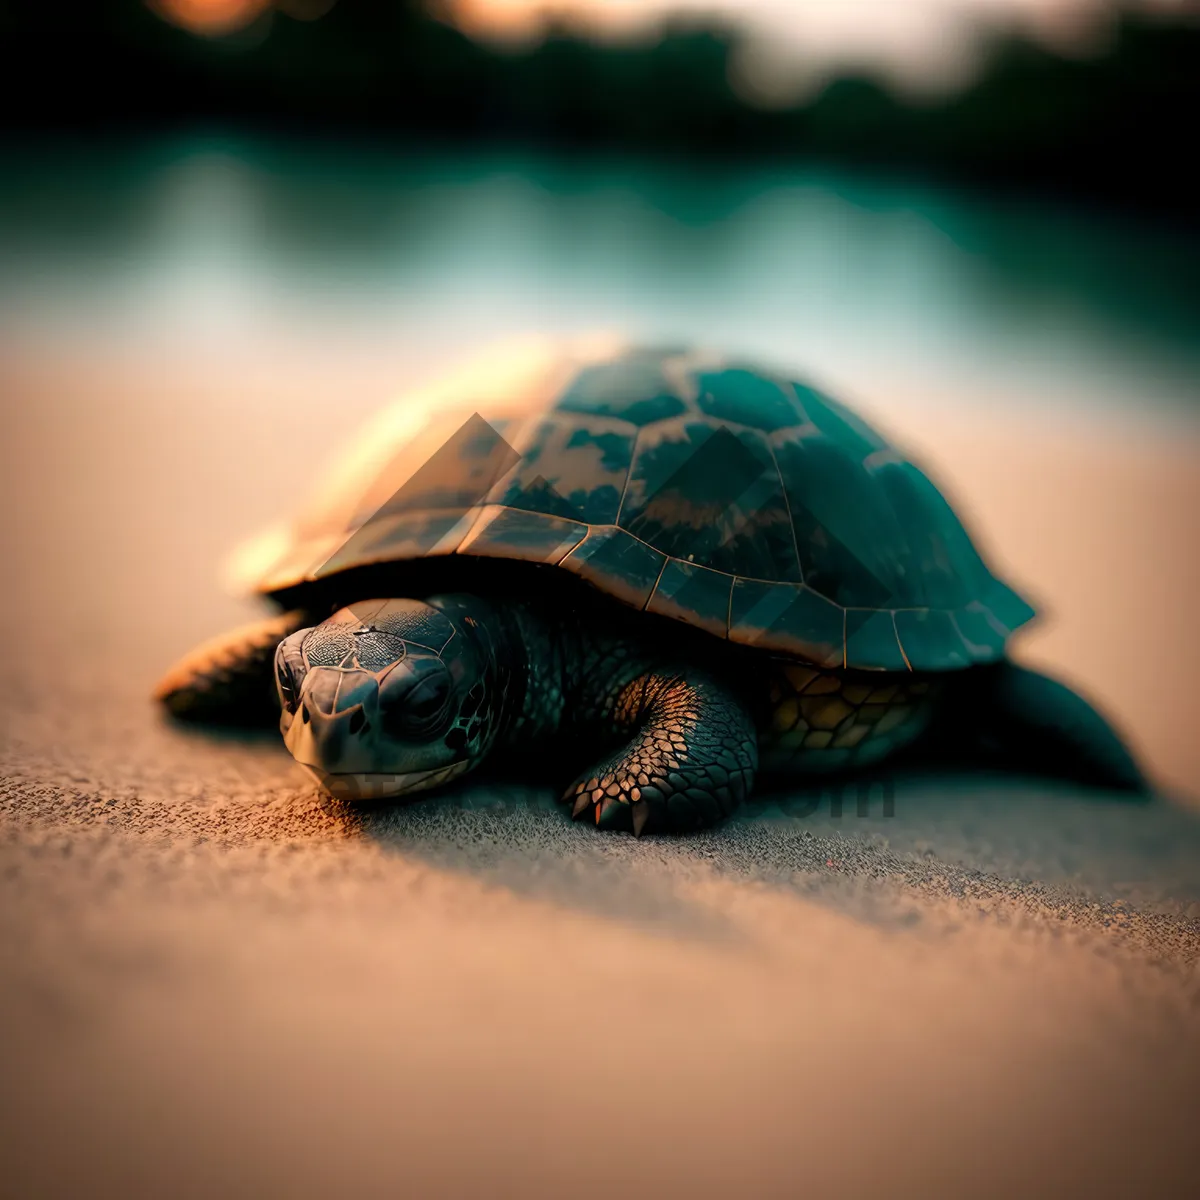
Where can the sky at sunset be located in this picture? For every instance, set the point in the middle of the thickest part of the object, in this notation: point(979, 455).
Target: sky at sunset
point(918, 45)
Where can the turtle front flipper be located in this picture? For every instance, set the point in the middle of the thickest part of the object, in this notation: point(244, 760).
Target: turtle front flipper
point(689, 761)
point(1028, 723)
point(230, 679)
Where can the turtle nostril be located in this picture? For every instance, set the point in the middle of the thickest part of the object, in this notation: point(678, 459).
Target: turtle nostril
point(358, 722)
point(305, 716)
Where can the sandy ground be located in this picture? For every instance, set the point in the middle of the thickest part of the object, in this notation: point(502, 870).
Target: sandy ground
point(215, 981)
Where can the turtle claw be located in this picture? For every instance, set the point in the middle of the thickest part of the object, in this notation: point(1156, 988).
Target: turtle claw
point(605, 812)
point(613, 813)
point(640, 811)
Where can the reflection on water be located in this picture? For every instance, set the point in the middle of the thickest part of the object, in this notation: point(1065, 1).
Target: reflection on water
point(851, 277)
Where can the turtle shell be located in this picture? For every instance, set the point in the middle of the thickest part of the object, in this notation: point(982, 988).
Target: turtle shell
point(682, 483)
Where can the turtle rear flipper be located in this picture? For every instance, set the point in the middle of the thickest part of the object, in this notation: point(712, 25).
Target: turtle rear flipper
point(230, 680)
point(1021, 721)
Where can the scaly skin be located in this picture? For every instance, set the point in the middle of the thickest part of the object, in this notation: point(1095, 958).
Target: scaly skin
point(662, 728)
point(688, 725)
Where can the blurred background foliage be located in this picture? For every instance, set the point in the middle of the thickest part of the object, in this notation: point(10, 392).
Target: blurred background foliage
point(1105, 109)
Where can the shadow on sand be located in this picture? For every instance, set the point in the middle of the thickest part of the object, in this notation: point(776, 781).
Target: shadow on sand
point(871, 850)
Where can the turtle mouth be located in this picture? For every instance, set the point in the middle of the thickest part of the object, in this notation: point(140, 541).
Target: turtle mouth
point(385, 785)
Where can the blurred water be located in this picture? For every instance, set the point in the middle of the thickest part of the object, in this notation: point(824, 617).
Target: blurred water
point(859, 280)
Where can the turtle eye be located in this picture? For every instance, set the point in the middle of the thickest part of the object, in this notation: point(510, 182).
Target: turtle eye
point(428, 699)
point(420, 708)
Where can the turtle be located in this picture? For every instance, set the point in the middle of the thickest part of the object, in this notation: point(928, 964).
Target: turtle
point(658, 573)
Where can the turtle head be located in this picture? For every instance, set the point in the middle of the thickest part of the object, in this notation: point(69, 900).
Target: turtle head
point(389, 697)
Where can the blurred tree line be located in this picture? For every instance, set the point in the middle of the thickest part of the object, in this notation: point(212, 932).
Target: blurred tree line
point(1118, 127)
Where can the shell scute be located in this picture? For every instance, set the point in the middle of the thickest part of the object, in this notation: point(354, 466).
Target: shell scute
point(502, 532)
point(699, 488)
point(612, 559)
point(746, 397)
point(790, 618)
point(872, 642)
point(838, 423)
point(702, 491)
point(849, 540)
point(939, 562)
point(930, 640)
point(570, 469)
point(633, 387)
point(696, 594)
